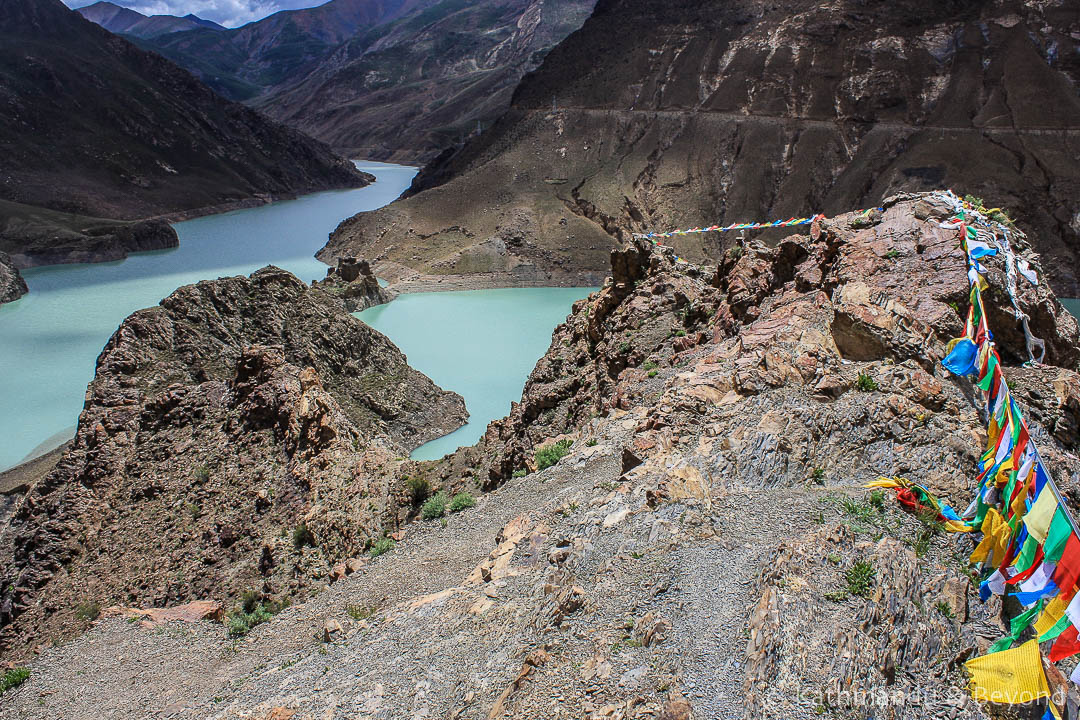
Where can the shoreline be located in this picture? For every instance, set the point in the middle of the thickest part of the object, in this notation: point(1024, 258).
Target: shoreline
point(403, 280)
point(258, 200)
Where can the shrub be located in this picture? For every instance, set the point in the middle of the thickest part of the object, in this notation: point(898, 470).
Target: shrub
point(547, 456)
point(88, 611)
point(359, 612)
point(652, 373)
point(250, 612)
point(435, 507)
point(380, 546)
point(202, 473)
point(943, 608)
point(877, 499)
point(519, 473)
point(624, 348)
point(860, 578)
point(736, 252)
point(865, 383)
point(301, 536)
point(649, 365)
point(591, 442)
point(680, 333)
point(240, 623)
point(462, 501)
point(419, 488)
point(893, 254)
point(13, 678)
point(818, 476)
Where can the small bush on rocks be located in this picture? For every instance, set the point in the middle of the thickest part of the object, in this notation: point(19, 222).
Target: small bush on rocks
point(649, 365)
point(380, 546)
point(865, 383)
point(88, 611)
point(301, 536)
point(462, 501)
point(860, 578)
point(13, 678)
point(547, 456)
point(519, 473)
point(435, 507)
point(419, 488)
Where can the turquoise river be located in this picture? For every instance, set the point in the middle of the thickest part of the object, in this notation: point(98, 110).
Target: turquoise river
point(480, 344)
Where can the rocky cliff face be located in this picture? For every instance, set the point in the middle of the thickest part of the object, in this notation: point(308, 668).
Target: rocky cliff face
point(408, 90)
point(690, 554)
point(731, 112)
point(242, 436)
point(91, 125)
point(353, 282)
point(12, 286)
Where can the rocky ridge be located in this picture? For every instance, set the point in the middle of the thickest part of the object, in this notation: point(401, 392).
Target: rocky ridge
point(690, 555)
point(241, 437)
point(734, 112)
point(12, 285)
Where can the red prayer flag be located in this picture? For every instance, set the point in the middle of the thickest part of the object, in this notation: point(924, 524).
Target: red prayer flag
point(1068, 569)
point(1066, 645)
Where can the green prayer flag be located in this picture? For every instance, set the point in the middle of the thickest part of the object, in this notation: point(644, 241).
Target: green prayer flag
point(1056, 536)
point(1027, 554)
point(1017, 626)
point(1059, 627)
point(988, 379)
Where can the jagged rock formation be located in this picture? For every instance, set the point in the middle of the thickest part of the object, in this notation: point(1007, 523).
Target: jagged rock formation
point(91, 125)
point(242, 436)
point(407, 90)
point(353, 282)
point(12, 285)
point(689, 556)
point(732, 112)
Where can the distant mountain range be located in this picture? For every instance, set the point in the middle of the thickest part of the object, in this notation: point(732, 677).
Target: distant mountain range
point(117, 19)
point(94, 130)
point(384, 79)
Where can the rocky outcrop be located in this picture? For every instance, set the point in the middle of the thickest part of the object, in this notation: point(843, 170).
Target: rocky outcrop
point(722, 113)
point(92, 126)
point(12, 285)
point(705, 547)
point(241, 437)
point(353, 282)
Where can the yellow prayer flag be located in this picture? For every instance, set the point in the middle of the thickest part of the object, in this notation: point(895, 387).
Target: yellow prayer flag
point(1009, 677)
point(1041, 513)
point(1050, 615)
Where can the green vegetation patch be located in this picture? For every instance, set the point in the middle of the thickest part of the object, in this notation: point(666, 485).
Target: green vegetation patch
point(462, 501)
point(435, 507)
point(13, 678)
point(547, 456)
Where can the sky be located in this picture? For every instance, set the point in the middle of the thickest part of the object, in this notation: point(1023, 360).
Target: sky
point(230, 13)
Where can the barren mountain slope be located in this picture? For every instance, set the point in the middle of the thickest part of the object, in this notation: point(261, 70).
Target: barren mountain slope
point(690, 555)
point(407, 90)
point(680, 114)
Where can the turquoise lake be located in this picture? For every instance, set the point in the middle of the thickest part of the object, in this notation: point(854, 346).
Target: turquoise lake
point(51, 337)
point(1072, 305)
point(481, 344)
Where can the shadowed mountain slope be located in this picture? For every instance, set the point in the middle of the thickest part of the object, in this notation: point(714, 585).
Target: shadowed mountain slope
point(91, 125)
point(739, 111)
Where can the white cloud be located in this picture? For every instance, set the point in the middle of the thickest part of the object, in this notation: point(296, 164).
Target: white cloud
point(230, 13)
